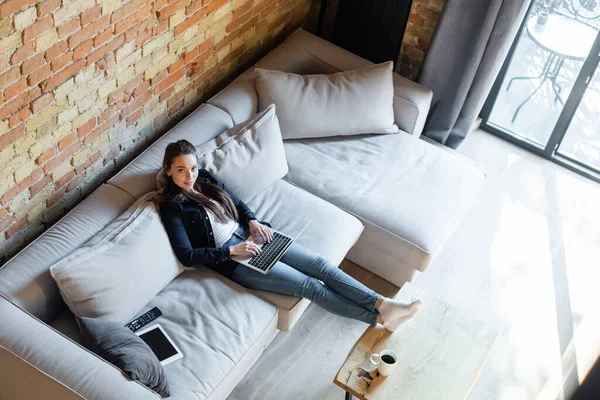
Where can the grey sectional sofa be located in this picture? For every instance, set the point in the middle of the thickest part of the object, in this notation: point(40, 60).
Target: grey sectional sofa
point(387, 202)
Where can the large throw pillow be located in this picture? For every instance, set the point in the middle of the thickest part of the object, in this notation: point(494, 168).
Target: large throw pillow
point(344, 103)
point(125, 350)
point(247, 158)
point(121, 268)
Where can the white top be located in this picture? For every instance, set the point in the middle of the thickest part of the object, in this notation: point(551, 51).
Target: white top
point(221, 231)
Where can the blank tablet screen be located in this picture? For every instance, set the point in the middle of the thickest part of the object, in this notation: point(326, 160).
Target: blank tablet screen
point(159, 344)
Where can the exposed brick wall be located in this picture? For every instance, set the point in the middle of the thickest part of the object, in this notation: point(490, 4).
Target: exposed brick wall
point(85, 85)
point(423, 18)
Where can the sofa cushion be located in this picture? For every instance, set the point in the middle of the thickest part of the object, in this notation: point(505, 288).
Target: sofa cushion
point(304, 53)
point(248, 157)
point(400, 183)
point(125, 350)
point(344, 103)
point(331, 233)
point(215, 323)
point(121, 268)
point(26, 280)
point(204, 123)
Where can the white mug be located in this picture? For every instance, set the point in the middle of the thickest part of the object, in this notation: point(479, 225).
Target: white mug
point(385, 368)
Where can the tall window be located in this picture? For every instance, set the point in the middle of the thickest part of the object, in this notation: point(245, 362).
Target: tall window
point(547, 96)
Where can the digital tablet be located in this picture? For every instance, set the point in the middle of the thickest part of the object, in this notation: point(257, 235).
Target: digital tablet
point(160, 343)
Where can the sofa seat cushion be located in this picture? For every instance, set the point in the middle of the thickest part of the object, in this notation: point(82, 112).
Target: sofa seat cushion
point(331, 233)
point(214, 322)
point(405, 186)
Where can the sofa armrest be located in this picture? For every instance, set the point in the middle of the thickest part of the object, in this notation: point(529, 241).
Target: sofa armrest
point(411, 105)
point(55, 363)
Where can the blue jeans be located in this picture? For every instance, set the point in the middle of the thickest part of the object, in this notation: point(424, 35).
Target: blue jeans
point(298, 274)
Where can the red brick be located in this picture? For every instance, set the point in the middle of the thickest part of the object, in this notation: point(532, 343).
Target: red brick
point(142, 37)
point(86, 128)
point(166, 94)
point(172, 9)
point(64, 180)
point(194, 6)
point(61, 61)
point(21, 186)
point(126, 10)
point(226, 40)
point(2, 213)
point(75, 182)
point(124, 24)
point(9, 77)
point(191, 20)
point(142, 13)
point(83, 166)
point(41, 102)
point(103, 37)
point(215, 5)
point(16, 118)
point(171, 79)
point(39, 185)
point(6, 222)
point(56, 50)
point(159, 4)
point(63, 75)
point(106, 114)
point(89, 31)
point(100, 129)
point(68, 27)
point(138, 102)
point(45, 156)
point(141, 89)
point(38, 75)
point(249, 24)
point(242, 10)
point(107, 48)
point(62, 156)
point(15, 89)
point(415, 20)
point(32, 64)
point(190, 55)
point(90, 14)
point(22, 54)
point(83, 49)
point(67, 141)
point(39, 27)
point(11, 136)
point(160, 27)
point(106, 62)
point(14, 228)
point(176, 107)
point(232, 25)
point(56, 197)
point(46, 7)
point(12, 6)
point(19, 102)
point(134, 117)
point(175, 66)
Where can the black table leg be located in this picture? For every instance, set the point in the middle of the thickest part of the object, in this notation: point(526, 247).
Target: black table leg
point(348, 396)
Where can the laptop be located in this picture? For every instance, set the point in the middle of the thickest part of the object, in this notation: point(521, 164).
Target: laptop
point(270, 252)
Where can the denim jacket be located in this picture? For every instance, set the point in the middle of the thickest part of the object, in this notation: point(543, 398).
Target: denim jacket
point(190, 232)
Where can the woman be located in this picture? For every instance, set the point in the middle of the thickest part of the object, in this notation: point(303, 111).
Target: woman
point(207, 225)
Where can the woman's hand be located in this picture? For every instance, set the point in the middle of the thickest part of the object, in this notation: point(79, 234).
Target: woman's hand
point(260, 233)
point(244, 248)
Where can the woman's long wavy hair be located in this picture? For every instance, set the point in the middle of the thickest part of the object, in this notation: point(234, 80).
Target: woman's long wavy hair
point(204, 191)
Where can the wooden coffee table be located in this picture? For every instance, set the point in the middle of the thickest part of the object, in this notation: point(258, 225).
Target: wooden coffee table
point(441, 353)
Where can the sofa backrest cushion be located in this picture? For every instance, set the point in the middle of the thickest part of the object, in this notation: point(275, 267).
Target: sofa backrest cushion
point(25, 279)
point(139, 177)
point(119, 270)
point(320, 105)
point(249, 157)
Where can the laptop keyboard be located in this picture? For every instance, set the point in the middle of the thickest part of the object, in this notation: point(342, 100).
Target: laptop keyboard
point(269, 251)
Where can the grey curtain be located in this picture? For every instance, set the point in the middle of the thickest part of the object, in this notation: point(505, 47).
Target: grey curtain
point(469, 46)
